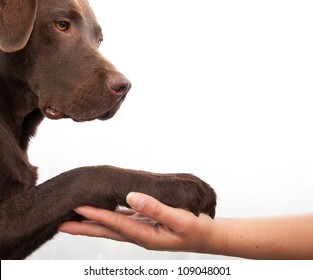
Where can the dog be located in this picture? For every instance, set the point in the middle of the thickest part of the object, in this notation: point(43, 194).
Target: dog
point(50, 66)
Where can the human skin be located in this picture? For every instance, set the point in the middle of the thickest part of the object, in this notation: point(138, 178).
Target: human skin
point(286, 237)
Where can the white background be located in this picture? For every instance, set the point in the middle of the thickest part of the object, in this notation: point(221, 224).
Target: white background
point(221, 89)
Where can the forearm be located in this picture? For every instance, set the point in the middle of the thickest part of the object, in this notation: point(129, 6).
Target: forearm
point(264, 238)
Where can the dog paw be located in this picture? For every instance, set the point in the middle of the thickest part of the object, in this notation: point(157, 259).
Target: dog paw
point(188, 192)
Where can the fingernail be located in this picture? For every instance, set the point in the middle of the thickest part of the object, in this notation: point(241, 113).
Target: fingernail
point(77, 210)
point(135, 200)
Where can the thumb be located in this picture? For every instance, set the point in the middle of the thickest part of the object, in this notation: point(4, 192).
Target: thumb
point(155, 210)
point(144, 204)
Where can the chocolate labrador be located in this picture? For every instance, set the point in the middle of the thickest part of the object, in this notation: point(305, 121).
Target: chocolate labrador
point(50, 67)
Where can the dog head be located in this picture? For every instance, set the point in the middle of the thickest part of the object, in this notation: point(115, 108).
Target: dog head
point(52, 47)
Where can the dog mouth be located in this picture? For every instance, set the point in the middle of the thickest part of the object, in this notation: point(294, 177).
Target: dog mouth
point(55, 113)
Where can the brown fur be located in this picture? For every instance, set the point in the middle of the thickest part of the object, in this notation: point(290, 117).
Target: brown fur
point(61, 74)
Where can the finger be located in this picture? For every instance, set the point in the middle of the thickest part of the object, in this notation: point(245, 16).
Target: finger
point(102, 216)
point(91, 229)
point(154, 209)
point(116, 221)
point(138, 232)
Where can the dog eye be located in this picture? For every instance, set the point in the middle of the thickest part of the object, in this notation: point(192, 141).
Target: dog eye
point(100, 41)
point(62, 25)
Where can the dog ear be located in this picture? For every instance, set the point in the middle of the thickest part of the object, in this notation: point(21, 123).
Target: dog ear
point(17, 18)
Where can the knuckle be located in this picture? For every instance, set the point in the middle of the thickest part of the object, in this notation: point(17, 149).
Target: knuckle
point(117, 223)
point(155, 211)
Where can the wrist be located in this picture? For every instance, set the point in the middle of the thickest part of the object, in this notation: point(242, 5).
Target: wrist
point(213, 236)
point(220, 237)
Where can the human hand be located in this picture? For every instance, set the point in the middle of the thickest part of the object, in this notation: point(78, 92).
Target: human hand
point(167, 228)
point(162, 228)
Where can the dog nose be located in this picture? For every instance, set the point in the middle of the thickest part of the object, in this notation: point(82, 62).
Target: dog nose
point(118, 84)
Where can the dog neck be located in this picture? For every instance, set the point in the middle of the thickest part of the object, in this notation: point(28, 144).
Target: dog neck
point(15, 96)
